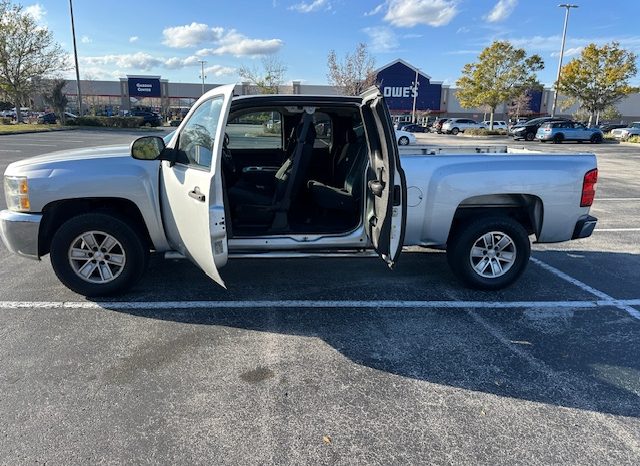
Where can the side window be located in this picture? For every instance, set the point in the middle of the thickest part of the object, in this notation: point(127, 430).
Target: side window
point(256, 130)
point(195, 144)
point(322, 122)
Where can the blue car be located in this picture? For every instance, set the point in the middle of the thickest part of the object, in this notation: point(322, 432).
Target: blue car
point(560, 131)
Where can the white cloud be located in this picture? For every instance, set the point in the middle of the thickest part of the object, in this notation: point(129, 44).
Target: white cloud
point(501, 11)
point(190, 35)
point(240, 45)
point(85, 40)
point(133, 39)
point(375, 11)
point(462, 30)
point(224, 41)
point(219, 70)
point(37, 12)
point(409, 13)
point(310, 7)
point(569, 52)
point(140, 61)
point(381, 39)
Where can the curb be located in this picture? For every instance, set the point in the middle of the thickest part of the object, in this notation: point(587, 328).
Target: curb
point(32, 131)
point(80, 128)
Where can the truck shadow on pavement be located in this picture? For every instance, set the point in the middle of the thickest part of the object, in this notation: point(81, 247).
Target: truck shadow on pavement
point(579, 358)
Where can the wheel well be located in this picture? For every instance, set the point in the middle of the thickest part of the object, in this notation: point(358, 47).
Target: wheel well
point(56, 213)
point(526, 209)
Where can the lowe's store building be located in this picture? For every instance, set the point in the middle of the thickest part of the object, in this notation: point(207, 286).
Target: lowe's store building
point(396, 80)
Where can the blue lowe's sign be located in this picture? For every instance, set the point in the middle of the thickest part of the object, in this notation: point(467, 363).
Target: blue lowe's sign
point(396, 83)
point(144, 87)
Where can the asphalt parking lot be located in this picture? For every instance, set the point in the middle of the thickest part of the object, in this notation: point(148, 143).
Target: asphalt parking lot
point(332, 361)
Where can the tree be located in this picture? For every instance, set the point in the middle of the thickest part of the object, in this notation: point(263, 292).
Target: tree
point(599, 77)
point(500, 75)
point(355, 73)
point(28, 52)
point(266, 79)
point(520, 105)
point(57, 99)
point(611, 113)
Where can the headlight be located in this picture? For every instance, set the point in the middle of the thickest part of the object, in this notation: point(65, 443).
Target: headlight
point(16, 191)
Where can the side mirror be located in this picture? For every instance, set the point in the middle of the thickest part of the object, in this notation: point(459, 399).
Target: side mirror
point(147, 148)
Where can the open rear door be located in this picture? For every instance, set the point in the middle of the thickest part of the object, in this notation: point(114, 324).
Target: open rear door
point(191, 187)
point(386, 210)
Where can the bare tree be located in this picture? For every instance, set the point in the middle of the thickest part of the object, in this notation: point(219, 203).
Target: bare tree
point(28, 53)
point(268, 78)
point(355, 73)
point(520, 105)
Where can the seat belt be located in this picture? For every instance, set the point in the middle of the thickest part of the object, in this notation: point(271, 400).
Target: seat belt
point(280, 220)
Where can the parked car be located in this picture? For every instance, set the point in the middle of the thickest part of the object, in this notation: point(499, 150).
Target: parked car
point(497, 124)
point(401, 125)
point(625, 133)
point(437, 125)
point(414, 128)
point(98, 212)
point(606, 127)
point(459, 125)
point(52, 118)
point(528, 129)
point(560, 131)
point(405, 138)
point(149, 118)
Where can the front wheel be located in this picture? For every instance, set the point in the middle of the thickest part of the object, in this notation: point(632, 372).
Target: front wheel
point(596, 139)
point(97, 255)
point(489, 254)
point(530, 136)
point(403, 141)
point(455, 131)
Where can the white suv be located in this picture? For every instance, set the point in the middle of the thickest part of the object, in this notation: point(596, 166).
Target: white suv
point(497, 124)
point(457, 125)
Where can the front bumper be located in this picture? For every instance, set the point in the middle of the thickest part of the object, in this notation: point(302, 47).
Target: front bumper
point(584, 227)
point(19, 232)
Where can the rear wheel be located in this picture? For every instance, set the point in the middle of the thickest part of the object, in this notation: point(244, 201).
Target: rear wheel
point(596, 139)
point(97, 255)
point(403, 141)
point(558, 138)
point(489, 254)
point(455, 131)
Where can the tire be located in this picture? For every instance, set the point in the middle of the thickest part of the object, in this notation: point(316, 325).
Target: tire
point(558, 138)
point(464, 253)
point(530, 136)
point(455, 131)
point(97, 228)
point(596, 139)
point(403, 141)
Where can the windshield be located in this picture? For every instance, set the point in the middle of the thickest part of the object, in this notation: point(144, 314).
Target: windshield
point(635, 124)
point(168, 137)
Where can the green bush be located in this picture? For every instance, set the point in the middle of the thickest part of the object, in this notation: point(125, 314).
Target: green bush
point(107, 122)
point(5, 121)
point(635, 139)
point(485, 132)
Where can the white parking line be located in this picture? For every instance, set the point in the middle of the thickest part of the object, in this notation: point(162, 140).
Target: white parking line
point(617, 199)
point(28, 144)
point(10, 150)
point(620, 304)
point(194, 305)
point(617, 229)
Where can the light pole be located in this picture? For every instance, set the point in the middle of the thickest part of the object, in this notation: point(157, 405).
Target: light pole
point(75, 56)
point(567, 7)
point(415, 95)
point(202, 62)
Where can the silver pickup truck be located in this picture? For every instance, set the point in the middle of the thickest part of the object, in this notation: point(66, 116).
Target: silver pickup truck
point(289, 176)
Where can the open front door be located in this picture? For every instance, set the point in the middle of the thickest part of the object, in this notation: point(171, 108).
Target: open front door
point(192, 199)
point(386, 185)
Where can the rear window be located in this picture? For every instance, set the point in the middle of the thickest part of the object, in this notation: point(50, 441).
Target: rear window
point(256, 130)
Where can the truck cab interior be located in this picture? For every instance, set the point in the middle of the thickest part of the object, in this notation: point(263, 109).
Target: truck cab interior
point(294, 169)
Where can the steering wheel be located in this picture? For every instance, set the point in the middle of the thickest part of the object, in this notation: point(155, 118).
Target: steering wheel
point(227, 158)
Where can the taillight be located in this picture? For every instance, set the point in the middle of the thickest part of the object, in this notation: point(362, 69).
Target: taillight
point(589, 188)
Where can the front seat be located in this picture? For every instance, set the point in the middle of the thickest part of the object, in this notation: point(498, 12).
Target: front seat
point(345, 191)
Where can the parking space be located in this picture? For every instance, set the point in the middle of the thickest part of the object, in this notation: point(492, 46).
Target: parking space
point(333, 361)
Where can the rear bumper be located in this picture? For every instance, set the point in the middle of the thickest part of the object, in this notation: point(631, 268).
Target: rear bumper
point(584, 227)
point(19, 232)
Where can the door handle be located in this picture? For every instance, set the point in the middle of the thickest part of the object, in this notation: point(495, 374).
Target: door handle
point(197, 195)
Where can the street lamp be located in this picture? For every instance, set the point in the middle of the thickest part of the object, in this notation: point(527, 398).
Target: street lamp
point(75, 56)
point(202, 62)
point(567, 7)
point(415, 85)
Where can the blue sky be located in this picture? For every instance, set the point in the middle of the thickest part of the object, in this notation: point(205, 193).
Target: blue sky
point(117, 37)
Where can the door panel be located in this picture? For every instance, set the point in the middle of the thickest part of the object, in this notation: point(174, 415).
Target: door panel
point(386, 185)
point(191, 190)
